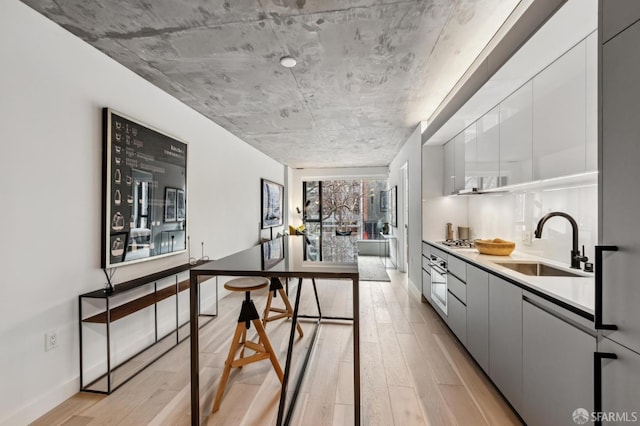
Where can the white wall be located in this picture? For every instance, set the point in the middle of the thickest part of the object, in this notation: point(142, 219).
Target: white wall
point(410, 153)
point(53, 87)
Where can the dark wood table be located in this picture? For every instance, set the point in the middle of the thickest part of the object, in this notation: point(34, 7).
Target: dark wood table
point(283, 257)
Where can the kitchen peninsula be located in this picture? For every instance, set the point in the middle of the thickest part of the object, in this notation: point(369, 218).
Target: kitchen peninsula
point(291, 262)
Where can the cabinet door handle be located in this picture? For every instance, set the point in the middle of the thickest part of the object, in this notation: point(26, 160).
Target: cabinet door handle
point(438, 269)
point(597, 381)
point(598, 281)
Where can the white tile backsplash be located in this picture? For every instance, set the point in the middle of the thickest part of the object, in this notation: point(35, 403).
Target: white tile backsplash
point(514, 216)
point(438, 211)
point(491, 216)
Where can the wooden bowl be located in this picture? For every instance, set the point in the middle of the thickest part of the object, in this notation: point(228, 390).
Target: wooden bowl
point(495, 247)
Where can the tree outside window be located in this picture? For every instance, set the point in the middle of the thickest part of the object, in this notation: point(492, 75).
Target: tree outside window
point(340, 212)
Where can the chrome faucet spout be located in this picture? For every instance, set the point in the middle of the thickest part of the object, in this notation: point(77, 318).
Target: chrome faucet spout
point(575, 253)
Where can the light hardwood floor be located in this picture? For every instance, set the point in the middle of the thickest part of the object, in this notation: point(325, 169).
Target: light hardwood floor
point(413, 371)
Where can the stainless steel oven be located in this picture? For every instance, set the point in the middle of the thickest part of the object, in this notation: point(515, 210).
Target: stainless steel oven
point(438, 268)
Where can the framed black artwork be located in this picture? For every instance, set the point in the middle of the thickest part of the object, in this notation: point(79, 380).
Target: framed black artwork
point(384, 201)
point(272, 203)
point(393, 201)
point(144, 191)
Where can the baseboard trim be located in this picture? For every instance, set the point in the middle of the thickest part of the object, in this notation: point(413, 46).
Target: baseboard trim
point(45, 403)
point(33, 410)
point(413, 289)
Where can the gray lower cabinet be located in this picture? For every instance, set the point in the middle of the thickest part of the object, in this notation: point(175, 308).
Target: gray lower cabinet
point(557, 367)
point(620, 384)
point(426, 285)
point(457, 317)
point(505, 339)
point(538, 355)
point(457, 267)
point(478, 315)
point(426, 271)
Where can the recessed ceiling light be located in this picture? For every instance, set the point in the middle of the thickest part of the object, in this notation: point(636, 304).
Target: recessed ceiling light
point(288, 62)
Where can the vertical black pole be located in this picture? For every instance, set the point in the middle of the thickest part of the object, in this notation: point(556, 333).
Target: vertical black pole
point(177, 311)
point(287, 368)
point(315, 291)
point(108, 345)
point(356, 351)
point(155, 308)
point(195, 362)
point(80, 338)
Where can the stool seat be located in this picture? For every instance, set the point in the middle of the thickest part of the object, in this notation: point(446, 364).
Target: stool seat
point(246, 283)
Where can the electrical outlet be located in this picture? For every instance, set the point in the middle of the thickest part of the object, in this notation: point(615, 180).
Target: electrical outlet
point(526, 238)
point(50, 340)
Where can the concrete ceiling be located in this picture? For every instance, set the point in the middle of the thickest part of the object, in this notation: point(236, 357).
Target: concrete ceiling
point(368, 70)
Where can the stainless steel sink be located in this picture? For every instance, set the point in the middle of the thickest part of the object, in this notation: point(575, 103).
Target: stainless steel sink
point(538, 269)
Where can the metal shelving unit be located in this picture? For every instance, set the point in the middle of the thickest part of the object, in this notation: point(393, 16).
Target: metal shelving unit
point(118, 374)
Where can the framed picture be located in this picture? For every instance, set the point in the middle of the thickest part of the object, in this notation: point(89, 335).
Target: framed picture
point(272, 253)
point(143, 190)
point(384, 201)
point(272, 204)
point(170, 204)
point(393, 195)
point(180, 205)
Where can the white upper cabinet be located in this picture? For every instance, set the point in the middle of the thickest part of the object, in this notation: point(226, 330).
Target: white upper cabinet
point(448, 173)
point(453, 174)
point(545, 129)
point(516, 123)
point(559, 116)
point(458, 163)
point(470, 158)
point(542, 119)
point(488, 149)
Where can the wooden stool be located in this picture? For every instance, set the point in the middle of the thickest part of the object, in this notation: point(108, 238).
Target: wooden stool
point(287, 312)
point(248, 314)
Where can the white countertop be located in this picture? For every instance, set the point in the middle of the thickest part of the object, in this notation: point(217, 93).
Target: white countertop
point(575, 291)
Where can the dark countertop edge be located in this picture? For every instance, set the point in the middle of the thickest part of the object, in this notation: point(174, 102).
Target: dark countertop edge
point(562, 304)
point(288, 274)
point(139, 282)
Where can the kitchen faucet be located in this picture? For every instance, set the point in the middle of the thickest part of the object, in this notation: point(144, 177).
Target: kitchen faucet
point(576, 257)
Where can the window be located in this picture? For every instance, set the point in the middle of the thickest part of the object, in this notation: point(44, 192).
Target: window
point(338, 213)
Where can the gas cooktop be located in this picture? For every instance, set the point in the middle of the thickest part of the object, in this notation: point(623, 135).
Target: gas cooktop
point(462, 244)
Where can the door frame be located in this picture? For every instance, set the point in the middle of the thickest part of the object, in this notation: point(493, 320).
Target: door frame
point(403, 260)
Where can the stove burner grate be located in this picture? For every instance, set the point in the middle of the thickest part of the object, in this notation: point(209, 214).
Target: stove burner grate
point(459, 243)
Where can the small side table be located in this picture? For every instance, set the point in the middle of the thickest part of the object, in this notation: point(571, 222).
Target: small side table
point(387, 251)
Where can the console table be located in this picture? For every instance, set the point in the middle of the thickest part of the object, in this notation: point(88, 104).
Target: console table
point(292, 263)
point(389, 238)
point(126, 299)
